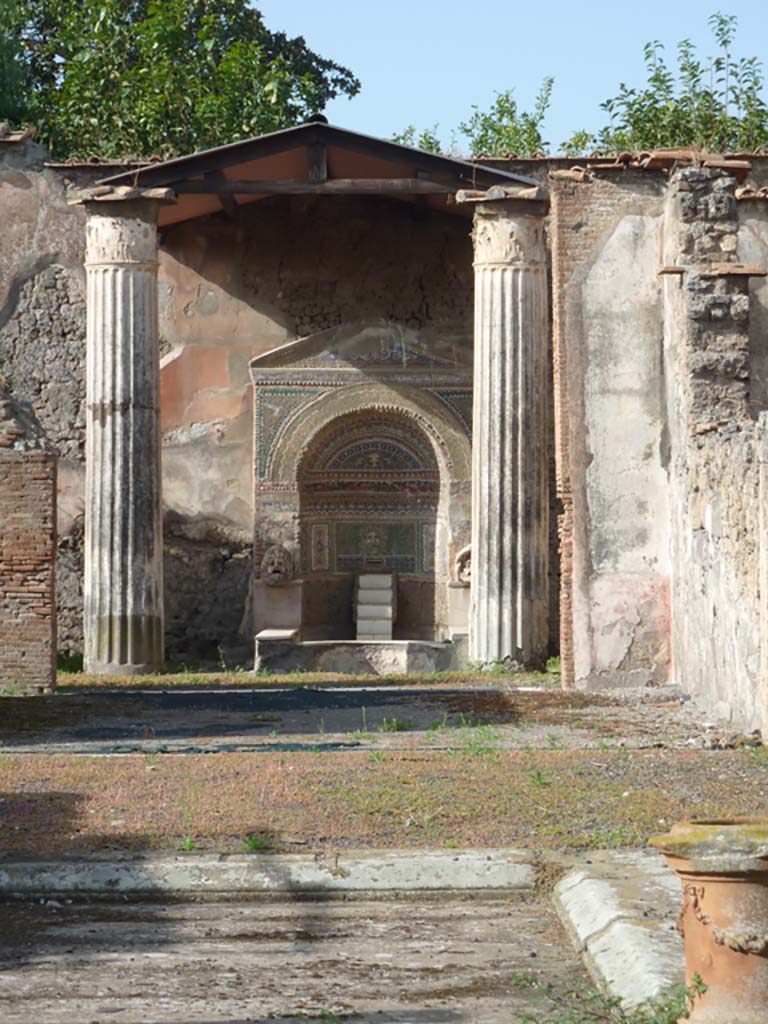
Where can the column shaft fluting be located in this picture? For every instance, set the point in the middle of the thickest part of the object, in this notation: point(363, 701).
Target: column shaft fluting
point(510, 450)
point(123, 589)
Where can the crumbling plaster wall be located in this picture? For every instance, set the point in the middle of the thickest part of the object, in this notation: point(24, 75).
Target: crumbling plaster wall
point(610, 428)
point(285, 269)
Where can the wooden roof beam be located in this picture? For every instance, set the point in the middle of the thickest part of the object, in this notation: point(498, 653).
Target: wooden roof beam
point(221, 186)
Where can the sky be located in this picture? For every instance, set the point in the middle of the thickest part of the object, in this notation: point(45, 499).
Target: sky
point(426, 62)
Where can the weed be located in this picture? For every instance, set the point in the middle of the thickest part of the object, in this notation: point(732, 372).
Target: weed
point(69, 662)
point(583, 1005)
point(439, 724)
point(497, 668)
point(151, 759)
point(321, 727)
point(187, 844)
point(450, 844)
point(376, 756)
point(538, 777)
point(553, 741)
point(253, 843)
point(481, 741)
point(618, 835)
point(393, 725)
point(467, 722)
point(362, 733)
point(222, 661)
point(603, 746)
point(553, 666)
point(758, 756)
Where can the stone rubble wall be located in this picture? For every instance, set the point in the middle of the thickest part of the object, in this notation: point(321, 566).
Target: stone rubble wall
point(719, 516)
point(27, 553)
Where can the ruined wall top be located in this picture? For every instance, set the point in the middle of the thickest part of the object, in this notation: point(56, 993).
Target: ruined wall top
point(19, 428)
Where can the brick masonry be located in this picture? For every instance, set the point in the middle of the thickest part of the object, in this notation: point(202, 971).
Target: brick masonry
point(27, 562)
point(27, 550)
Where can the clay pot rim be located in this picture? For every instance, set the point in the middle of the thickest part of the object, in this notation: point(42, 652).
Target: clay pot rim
point(716, 839)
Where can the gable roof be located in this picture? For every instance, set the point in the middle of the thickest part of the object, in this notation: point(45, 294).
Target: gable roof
point(313, 158)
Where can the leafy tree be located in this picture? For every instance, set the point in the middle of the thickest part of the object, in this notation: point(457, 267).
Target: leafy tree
point(715, 103)
point(164, 76)
point(501, 129)
point(505, 129)
point(11, 103)
point(427, 140)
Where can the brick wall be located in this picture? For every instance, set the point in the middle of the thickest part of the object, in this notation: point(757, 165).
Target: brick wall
point(27, 561)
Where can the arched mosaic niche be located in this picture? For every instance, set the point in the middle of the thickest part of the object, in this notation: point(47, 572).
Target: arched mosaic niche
point(369, 493)
point(369, 477)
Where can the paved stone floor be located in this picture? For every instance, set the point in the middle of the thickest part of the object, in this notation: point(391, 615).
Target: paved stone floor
point(298, 718)
point(428, 960)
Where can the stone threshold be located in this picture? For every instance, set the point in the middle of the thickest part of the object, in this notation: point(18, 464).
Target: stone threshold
point(198, 875)
point(620, 909)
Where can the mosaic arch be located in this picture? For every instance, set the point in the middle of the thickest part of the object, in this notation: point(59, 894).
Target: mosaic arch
point(368, 477)
point(369, 490)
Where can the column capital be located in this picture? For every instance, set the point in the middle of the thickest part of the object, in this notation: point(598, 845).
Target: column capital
point(506, 235)
point(121, 233)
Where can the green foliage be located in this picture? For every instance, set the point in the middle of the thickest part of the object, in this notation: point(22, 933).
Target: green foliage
point(11, 76)
point(501, 129)
point(581, 1005)
point(716, 103)
point(427, 140)
point(255, 842)
point(393, 725)
point(69, 662)
point(164, 76)
point(506, 129)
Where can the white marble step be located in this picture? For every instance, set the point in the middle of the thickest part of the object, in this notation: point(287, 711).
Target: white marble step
point(371, 629)
point(374, 581)
point(374, 611)
point(379, 597)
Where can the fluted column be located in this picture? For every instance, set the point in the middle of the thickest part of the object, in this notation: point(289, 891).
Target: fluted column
point(123, 619)
point(510, 506)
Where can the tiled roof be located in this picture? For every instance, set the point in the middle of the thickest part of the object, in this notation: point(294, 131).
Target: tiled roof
point(8, 134)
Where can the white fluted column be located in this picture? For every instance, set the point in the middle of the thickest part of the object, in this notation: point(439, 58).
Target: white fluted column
point(123, 619)
point(510, 501)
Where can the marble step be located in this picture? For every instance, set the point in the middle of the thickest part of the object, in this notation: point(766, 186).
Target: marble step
point(374, 581)
point(374, 611)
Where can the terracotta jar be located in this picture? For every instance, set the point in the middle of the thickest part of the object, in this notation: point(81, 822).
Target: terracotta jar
point(723, 868)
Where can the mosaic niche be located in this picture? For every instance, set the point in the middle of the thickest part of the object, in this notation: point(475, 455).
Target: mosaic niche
point(369, 490)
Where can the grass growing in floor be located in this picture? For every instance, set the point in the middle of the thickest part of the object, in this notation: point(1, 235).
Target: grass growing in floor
point(544, 799)
point(584, 1005)
point(70, 676)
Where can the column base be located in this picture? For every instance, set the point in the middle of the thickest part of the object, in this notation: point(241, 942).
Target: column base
point(127, 645)
point(110, 668)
